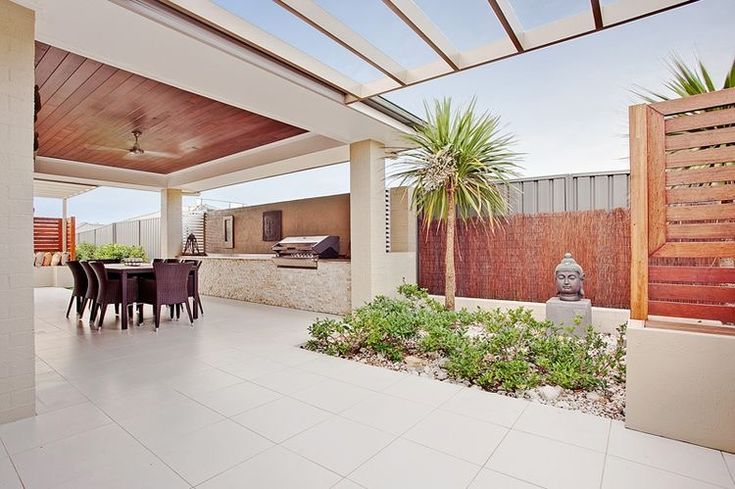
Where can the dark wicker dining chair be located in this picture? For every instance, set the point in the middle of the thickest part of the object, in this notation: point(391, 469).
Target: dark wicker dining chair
point(109, 291)
point(79, 291)
point(91, 296)
point(192, 287)
point(168, 288)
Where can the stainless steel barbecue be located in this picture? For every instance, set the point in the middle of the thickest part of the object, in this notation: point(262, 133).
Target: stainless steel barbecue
point(305, 251)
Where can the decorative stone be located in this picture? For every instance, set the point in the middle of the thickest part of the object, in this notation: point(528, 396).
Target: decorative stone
point(549, 392)
point(566, 313)
point(414, 362)
point(593, 396)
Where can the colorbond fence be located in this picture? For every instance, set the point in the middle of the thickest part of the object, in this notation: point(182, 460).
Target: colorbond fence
point(48, 235)
point(516, 260)
point(140, 232)
point(682, 210)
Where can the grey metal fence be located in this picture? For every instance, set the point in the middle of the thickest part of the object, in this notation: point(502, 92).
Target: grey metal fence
point(572, 192)
point(139, 232)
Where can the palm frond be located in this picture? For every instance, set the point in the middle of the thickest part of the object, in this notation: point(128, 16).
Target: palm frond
point(459, 151)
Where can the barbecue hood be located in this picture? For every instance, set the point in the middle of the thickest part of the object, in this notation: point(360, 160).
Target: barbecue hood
point(304, 251)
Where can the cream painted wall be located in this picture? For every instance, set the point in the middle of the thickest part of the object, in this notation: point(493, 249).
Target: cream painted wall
point(681, 385)
point(17, 361)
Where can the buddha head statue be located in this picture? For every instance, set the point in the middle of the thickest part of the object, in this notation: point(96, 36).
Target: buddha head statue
point(569, 277)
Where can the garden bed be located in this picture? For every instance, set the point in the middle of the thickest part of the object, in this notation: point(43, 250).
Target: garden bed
point(509, 353)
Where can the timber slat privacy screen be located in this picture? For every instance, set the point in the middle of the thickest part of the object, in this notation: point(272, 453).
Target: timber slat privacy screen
point(48, 237)
point(682, 156)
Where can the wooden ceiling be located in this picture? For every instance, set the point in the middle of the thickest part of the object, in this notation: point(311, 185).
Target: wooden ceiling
point(89, 111)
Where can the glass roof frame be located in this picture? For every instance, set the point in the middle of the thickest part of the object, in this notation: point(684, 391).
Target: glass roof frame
point(517, 40)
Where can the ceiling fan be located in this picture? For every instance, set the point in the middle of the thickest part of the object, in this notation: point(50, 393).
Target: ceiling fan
point(136, 150)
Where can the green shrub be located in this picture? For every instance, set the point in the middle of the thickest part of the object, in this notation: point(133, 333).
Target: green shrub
point(119, 251)
point(508, 350)
point(88, 251)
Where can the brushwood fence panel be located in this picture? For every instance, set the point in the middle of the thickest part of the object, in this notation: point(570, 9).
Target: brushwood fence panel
point(516, 260)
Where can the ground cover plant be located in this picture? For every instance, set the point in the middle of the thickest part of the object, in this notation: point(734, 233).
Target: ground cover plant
point(502, 351)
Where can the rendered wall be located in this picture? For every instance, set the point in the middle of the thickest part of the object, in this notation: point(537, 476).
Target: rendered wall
point(681, 385)
point(305, 217)
point(17, 361)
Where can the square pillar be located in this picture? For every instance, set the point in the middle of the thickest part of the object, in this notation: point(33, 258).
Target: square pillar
point(17, 362)
point(171, 223)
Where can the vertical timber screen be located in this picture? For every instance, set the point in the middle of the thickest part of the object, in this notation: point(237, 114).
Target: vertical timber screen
point(682, 210)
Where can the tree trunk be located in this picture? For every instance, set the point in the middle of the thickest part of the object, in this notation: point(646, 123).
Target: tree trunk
point(450, 281)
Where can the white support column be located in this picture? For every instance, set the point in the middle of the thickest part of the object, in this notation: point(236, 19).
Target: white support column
point(64, 225)
point(17, 364)
point(171, 222)
point(374, 270)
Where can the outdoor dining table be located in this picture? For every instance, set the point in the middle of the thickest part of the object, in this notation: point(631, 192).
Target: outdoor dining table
point(143, 269)
point(125, 271)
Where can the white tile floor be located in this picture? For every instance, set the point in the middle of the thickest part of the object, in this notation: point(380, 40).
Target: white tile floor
point(233, 402)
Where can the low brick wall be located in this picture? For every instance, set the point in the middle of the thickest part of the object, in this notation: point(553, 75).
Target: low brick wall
point(256, 279)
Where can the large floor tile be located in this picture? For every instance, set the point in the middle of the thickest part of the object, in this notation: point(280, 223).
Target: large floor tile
point(235, 399)
point(36, 431)
point(624, 474)
point(406, 464)
point(146, 473)
point(274, 468)
point(547, 463)
point(54, 393)
point(158, 429)
point(730, 462)
point(282, 418)
point(289, 380)
point(339, 444)
point(156, 397)
point(425, 391)
point(8, 477)
point(573, 427)
point(333, 395)
point(347, 484)
point(252, 367)
point(65, 460)
point(461, 436)
point(486, 406)
point(675, 456)
point(206, 380)
point(387, 413)
point(489, 479)
point(211, 450)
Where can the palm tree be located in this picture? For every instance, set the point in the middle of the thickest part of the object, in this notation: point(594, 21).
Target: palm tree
point(688, 81)
point(456, 163)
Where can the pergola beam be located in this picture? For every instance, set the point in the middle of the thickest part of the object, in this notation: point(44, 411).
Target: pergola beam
point(323, 21)
point(597, 14)
point(421, 24)
point(508, 20)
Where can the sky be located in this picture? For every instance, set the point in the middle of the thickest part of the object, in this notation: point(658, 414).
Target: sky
point(565, 104)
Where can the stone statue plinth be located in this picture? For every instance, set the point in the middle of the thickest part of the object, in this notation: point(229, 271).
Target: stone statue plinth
point(564, 313)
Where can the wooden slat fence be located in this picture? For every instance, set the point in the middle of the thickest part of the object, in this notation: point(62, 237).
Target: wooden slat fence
point(683, 209)
point(48, 235)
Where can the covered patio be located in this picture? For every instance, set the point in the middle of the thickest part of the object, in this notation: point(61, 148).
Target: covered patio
point(177, 98)
point(236, 402)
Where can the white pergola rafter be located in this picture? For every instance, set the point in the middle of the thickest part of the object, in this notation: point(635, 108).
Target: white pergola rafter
point(335, 29)
point(422, 25)
point(517, 40)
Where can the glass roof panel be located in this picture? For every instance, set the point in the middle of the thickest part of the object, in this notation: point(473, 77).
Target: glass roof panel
point(535, 13)
point(468, 24)
point(379, 25)
point(282, 24)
